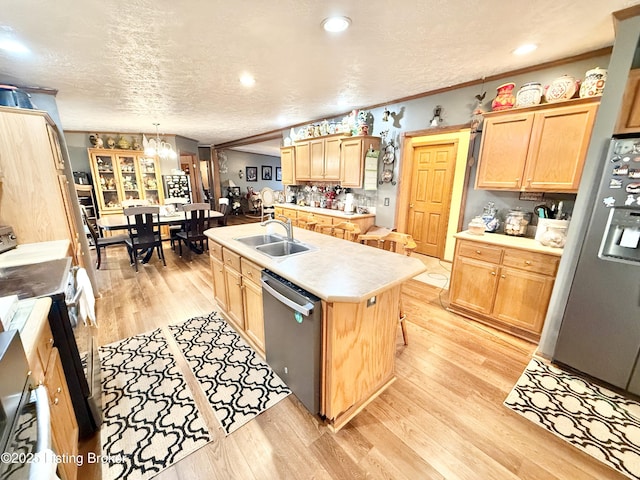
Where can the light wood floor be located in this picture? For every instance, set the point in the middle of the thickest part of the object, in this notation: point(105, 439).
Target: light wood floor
point(442, 418)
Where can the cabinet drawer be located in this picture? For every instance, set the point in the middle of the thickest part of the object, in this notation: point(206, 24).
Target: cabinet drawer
point(215, 250)
point(480, 251)
point(289, 213)
point(250, 271)
point(231, 259)
point(531, 261)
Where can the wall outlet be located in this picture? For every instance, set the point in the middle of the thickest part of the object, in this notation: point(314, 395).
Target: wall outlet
point(386, 201)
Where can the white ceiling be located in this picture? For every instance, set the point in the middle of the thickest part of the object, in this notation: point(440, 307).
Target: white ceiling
point(120, 66)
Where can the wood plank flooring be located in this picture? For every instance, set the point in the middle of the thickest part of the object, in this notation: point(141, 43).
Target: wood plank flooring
point(442, 419)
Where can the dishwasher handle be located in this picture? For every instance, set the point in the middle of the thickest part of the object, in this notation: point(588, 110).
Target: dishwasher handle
point(305, 309)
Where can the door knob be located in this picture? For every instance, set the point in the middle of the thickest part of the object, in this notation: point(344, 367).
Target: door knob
point(411, 205)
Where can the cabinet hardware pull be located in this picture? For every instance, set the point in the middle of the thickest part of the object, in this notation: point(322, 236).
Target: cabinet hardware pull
point(56, 401)
point(50, 341)
point(478, 252)
point(502, 276)
point(493, 273)
point(59, 390)
point(411, 205)
point(527, 262)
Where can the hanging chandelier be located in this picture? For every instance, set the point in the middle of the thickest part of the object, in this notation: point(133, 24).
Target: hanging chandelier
point(155, 147)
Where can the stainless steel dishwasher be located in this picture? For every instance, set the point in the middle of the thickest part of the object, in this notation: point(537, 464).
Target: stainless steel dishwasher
point(292, 334)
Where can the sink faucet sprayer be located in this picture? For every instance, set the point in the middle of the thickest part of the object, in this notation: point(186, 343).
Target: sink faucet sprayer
point(287, 225)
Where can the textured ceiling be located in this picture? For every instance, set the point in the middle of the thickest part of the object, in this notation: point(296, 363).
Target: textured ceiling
point(120, 66)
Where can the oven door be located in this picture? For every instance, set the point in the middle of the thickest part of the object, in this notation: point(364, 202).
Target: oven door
point(28, 454)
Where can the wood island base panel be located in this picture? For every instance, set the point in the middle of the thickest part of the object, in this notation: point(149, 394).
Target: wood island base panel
point(359, 309)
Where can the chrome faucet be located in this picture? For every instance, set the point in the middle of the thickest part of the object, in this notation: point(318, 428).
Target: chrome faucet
point(287, 225)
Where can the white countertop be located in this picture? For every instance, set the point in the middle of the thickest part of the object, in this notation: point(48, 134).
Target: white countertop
point(325, 211)
point(523, 243)
point(336, 270)
point(27, 253)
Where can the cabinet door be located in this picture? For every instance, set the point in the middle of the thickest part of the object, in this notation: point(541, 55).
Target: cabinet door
point(129, 184)
point(105, 181)
point(351, 165)
point(558, 149)
point(150, 180)
point(316, 152)
point(503, 153)
point(522, 298)
point(473, 284)
point(254, 317)
point(235, 309)
point(629, 118)
point(64, 427)
point(303, 161)
point(219, 288)
point(287, 162)
point(332, 159)
point(56, 151)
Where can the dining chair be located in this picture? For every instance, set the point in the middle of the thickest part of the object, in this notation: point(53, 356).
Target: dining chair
point(196, 221)
point(98, 241)
point(143, 224)
point(308, 222)
point(267, 210)
point(174, 203)
point(345, 230)
point(223, 208)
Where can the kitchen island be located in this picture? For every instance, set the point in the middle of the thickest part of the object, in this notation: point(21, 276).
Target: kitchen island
point(359, 287)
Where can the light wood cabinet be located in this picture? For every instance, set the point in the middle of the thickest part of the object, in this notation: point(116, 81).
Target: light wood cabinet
point(238, 293)
point(352, 153)
point(629, 117)
point(288, 165)
point(120, 175)
point(507, 288)
point(302, 161)
point(541, 148)
point(37, 199)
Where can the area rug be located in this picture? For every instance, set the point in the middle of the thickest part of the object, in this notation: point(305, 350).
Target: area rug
point(598, 421)
point(150, 418)
point(237, 382)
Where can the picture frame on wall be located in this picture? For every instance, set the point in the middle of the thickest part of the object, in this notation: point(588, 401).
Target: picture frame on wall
point(278, 174)
point(252, 174)
point(267, 172)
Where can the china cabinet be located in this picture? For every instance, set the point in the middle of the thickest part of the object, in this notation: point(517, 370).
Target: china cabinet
point(507, 288)
point(540, 148)
point(124, 175)
point(36, 195)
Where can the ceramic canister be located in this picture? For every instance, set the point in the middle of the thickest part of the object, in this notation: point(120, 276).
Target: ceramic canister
point(529, 94)
point(593, 83)
point(504, 99)
point(562, 88)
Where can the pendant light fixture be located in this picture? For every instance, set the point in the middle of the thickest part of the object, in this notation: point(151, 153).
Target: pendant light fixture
point(156, 147)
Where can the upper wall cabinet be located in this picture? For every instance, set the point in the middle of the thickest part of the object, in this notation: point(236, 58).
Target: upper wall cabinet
point(333, 158)
point(629, 119)
point(124, 175)
point(541, 148)
point(288, 164)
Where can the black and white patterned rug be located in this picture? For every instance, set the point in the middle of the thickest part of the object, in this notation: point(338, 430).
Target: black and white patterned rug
point(598, 421)
point(150, 418)
point(237, 382)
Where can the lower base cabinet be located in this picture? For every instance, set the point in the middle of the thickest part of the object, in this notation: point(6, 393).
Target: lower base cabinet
point(507, 288)
point(238, 293)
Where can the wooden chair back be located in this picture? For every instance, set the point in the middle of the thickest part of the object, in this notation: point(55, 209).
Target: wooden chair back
point(143, 226)
point(196, 220)
point(345, 230)
point(398, 242)
point(308, 222)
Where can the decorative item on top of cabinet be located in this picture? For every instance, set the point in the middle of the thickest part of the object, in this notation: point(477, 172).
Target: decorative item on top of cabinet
point(529, 94)
point(593, 83)
point(540, 148)
point(561, 89)
point(504, 99)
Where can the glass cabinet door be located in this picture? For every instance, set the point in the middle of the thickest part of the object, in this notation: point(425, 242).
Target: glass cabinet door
point(107, 181)
point(129, 177)
point(150, 180)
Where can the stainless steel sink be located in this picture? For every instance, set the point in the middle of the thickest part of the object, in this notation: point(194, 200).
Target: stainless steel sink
point(255, 240)
point(283, 248)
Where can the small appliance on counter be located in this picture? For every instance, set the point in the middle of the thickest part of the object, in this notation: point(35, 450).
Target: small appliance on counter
point(8, 239)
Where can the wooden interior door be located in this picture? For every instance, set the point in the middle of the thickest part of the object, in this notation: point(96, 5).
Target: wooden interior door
point(190, 166)
point(430, 197)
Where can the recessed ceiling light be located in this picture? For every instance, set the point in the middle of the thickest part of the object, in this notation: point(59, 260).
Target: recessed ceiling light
point(523, 49)
point(247, 80)
point(336, 24)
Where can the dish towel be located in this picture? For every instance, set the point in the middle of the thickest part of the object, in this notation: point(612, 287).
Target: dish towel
point(87, 301)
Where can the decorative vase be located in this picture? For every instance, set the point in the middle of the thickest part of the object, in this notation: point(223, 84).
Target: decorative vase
point(529, 94)
point(593, 83)
point(123, 143)
point(504, 99)
point(562, 88)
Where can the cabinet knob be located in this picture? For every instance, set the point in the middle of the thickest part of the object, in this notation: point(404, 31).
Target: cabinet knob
point(503, 276)
point(411, 205)
point(56, 401)
point(527, 262)
point(250, 274)
point(59, 390)
point(478, 252)
point(517, 179)
point(493, 273)
point(50, 341)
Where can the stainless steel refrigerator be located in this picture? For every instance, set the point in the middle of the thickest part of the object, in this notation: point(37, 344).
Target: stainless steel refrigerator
point(600, 331)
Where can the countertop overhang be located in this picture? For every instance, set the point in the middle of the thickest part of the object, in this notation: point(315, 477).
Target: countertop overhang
point(336, 270)
point(523, 243)
point(325, 211)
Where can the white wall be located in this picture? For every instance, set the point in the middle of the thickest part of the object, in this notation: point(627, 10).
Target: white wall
point(238, 161)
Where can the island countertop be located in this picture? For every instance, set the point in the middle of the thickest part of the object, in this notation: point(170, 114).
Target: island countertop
point(335, 270)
